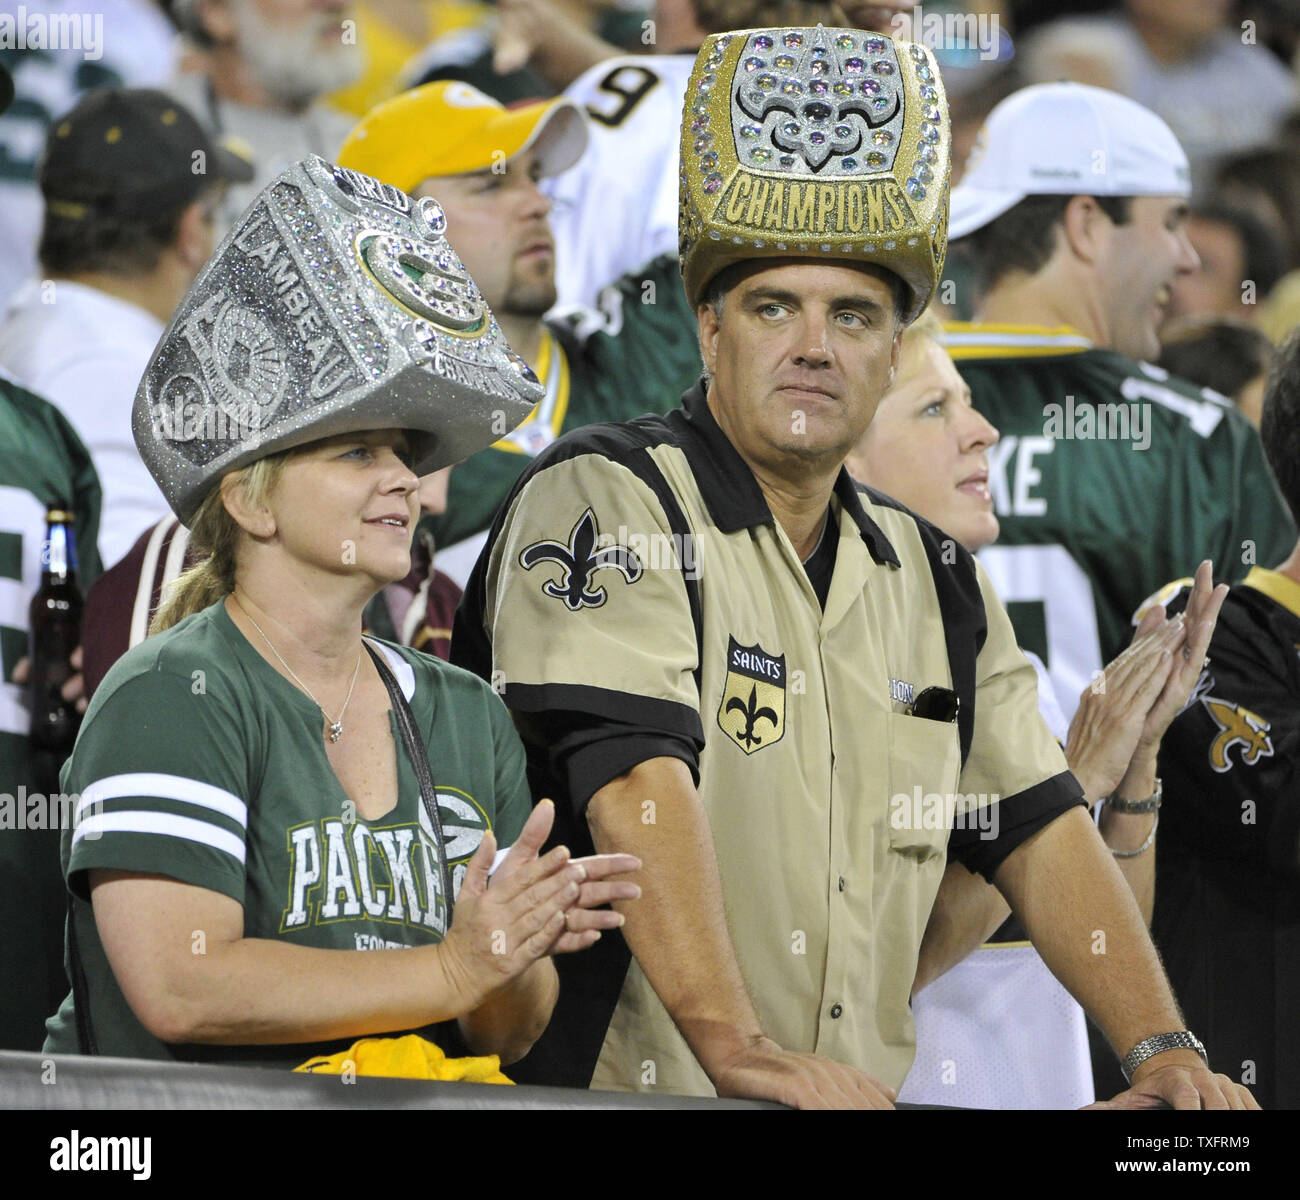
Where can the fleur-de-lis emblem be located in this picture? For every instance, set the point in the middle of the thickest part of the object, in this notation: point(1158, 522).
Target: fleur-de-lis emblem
point(1237, 727)
point(821, 108)
point(752, 714)
point(580, 560)
point(752, 691)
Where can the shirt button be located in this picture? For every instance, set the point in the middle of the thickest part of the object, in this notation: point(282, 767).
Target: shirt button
point(836, 1010)
point(842, 884)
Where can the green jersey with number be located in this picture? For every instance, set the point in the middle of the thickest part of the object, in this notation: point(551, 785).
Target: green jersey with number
point(1110, 478)
point(43, 464)
point(199, 762)
point(637, 355)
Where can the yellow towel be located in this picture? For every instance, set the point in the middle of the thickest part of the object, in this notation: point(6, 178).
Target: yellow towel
point(409, 1057)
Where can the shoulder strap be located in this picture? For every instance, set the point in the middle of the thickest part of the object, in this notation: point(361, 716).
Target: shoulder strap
point(419, 757)
point(80, 992)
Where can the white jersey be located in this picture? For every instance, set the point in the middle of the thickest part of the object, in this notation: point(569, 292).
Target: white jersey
point(999, 1030)
point(616, 208)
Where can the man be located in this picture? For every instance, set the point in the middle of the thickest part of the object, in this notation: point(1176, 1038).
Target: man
point(130, 182)
point(42, 465)
point(1228, 356)
point(522, 50)
point(721, 653)
point(1111, 477)
point(261, 68)
point(625, 185)
point(635, 106)
point(1227, 915)
point(483, 163)
point(1191, 63)
point(118, 43)
point(1241, 260)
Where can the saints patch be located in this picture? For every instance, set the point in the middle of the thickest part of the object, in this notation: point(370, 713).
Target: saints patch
point(752, 710)
point(579, 560)
point(1237, 727)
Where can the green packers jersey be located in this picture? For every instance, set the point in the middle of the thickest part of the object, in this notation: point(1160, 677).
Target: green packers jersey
point(1111, 477)
point(42, 464)
point(637, 355)
point(200, 762)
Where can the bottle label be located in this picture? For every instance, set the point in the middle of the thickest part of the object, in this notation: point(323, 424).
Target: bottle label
point(59, 550)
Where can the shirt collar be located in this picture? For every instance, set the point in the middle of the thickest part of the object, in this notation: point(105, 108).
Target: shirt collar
point(731, 492)
point(1277, 587)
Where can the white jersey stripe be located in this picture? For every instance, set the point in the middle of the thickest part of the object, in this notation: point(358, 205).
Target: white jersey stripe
point(154, 785)
point(957, 339)
point(167, 824)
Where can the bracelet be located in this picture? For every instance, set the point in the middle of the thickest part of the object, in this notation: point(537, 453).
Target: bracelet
point(1142, 849)
point(1133, 807)
point(1184, 1039)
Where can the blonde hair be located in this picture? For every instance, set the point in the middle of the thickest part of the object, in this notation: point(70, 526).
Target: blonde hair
point(928, 325)
point(215, 534)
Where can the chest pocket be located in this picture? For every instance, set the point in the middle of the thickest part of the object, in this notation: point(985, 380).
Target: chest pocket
point(924, 771)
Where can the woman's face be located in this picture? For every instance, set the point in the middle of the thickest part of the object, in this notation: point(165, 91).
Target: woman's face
point(349, 504)
point(926, 446)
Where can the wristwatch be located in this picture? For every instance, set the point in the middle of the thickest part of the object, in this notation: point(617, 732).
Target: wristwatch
point(1134, 807)
point(1182, 1040)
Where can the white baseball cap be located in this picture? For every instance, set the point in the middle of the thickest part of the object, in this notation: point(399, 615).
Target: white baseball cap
point(1066, 139)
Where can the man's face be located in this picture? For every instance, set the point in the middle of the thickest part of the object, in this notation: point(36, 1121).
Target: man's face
point(497, 223)
point(800, 359)
point(1138, 267)
point(1197, 19)
point(296, 49)
point(1214, 290)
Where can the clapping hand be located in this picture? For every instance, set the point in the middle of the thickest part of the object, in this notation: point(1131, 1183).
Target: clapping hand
point(1122, 717)
point(533, 905)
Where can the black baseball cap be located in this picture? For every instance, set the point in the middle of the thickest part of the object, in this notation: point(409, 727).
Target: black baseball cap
point(125, 152)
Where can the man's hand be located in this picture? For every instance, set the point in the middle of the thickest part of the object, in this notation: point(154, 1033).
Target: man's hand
point(74, 687)
point(541, 35)
point(1182, 1084)
point(764, 1071)
point(890, 17)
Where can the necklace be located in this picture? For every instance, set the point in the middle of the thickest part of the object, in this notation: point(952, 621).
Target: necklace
point(336, 726)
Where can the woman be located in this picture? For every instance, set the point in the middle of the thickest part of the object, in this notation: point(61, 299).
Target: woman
point(258, 872)
point(927, 447)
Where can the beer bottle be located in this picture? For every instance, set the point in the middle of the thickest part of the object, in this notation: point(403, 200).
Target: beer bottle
point(55, 624)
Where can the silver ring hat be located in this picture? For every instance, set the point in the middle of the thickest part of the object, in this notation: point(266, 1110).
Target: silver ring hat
point(334, 305)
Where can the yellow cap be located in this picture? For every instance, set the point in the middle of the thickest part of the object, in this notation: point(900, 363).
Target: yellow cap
point(451, 128)
point(820, 143)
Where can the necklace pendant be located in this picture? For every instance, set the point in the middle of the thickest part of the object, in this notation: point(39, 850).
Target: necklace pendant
point(336, 731)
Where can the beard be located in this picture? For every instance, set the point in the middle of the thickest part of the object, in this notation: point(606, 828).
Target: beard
point(296, 64)
point(530, 297)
